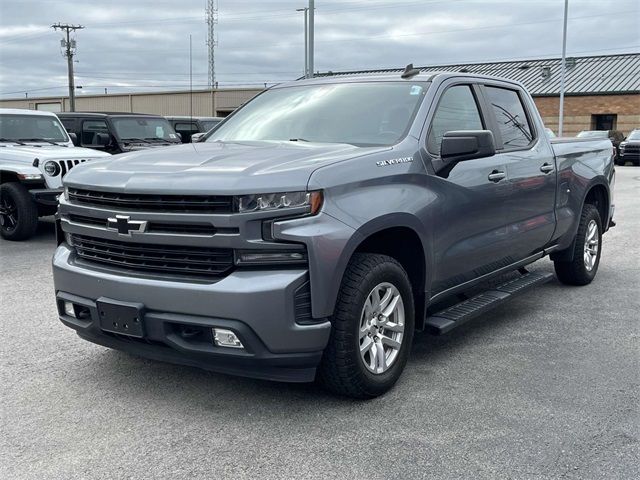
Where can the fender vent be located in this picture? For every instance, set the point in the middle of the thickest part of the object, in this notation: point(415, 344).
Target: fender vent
point(302, 303)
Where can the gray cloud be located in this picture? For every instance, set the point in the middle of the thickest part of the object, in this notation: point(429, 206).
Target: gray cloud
point(144, 45)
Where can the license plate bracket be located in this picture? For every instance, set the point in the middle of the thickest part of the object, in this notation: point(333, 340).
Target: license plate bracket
point(124, 318)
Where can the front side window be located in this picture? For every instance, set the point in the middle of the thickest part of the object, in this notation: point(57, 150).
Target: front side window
point(90, 131)
point(357, 113)
point(457, 110)
point(511, 117)
point(32, 128)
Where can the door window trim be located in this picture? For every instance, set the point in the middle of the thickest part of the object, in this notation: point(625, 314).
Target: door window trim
point(494, 122)
point(82, 122)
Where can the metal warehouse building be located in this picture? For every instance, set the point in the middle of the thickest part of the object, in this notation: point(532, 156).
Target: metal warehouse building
point(215, 102)
point(602, 92)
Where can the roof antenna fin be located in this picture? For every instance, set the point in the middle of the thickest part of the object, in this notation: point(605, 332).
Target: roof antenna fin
point(409, 71)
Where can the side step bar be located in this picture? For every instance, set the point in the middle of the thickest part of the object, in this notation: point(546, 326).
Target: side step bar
point(446, 320)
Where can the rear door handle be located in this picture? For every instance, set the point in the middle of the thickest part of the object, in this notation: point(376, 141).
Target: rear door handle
point(496, 176)
point(547, 168)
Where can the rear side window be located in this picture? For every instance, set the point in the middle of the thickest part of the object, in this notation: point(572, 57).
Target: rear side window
point(457, 110)
point(511, 117)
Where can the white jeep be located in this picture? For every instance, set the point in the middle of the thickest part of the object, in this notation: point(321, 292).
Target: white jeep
point(35, 153)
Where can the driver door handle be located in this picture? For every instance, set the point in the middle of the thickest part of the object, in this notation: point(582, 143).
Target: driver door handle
point(496, 176)
point(546, 168)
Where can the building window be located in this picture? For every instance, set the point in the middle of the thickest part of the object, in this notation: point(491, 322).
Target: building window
point(604, 122)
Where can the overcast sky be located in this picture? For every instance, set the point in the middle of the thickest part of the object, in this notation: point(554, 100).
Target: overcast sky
point(134, 45)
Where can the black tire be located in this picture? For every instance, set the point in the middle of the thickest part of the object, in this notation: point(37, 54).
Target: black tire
point(620, 162)
point(342, 369)
point(575, 272)
point(19, 214)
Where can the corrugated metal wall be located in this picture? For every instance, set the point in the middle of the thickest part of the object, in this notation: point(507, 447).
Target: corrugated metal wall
point(205, 102)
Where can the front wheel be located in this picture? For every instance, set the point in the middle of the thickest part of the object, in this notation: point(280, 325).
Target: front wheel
point(18, 212)
point(586, 251)
point(372, 328)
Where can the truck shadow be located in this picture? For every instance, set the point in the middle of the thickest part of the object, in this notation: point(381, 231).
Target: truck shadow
point(147, 381)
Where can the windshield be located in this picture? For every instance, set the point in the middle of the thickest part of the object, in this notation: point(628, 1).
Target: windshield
point(144, 129)
point(209, 124)
point(362, 114)
point(594, 134)
point(635, 135)
point(31, 128)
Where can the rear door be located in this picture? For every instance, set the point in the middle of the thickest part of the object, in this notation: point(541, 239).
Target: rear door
point(468, 225)
point(522, 146)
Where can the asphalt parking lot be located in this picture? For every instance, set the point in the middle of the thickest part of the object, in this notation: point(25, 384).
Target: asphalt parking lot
point(547, 386)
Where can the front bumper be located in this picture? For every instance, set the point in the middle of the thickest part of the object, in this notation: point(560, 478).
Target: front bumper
point(47, 197)
point(257, 305)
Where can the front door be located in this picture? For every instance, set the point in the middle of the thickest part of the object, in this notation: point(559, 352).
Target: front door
point(469, 225)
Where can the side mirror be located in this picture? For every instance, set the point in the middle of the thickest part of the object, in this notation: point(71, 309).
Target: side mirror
point(103, 139)
point(74, 138)
point(197, 137)
point(179, 135)
point(465, 145)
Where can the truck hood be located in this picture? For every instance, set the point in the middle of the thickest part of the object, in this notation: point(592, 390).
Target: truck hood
point(28, 153)
point(215, 168)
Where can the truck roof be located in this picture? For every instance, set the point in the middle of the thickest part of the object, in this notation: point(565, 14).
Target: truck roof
point(108, 114)
point(24, 111)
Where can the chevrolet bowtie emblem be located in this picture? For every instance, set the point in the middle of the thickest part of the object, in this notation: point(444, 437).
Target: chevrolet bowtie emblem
point(124, 225)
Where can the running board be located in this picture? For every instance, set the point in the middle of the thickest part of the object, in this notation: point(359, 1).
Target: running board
point(446, 320)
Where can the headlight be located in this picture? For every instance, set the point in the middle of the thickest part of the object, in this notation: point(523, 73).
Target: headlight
point(52, 168)
point(278, 201)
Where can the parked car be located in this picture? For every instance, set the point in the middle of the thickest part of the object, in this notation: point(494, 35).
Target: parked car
point(630, 149)
point(187, 126)
point(615, 136)
point(35, 153)
point(119, 132)
point(323, 223)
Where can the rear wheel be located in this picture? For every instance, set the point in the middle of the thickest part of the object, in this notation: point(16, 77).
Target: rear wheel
point(586, 251)
point(18, 212)
point(372, 328)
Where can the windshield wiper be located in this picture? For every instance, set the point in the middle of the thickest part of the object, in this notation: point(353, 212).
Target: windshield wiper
point(156, 139)
point(132, 139)
point(299, 140)
point(37, 140)
point(11, 140)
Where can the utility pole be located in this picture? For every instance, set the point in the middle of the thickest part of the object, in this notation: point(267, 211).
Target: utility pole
point(69, 46)
point(563, 67)
point(311, 20)
point(212, 19)
point(306, 40)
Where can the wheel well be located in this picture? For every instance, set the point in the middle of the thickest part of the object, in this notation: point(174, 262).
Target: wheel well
point(6, 177)
point(404, 245)
point(598, 197)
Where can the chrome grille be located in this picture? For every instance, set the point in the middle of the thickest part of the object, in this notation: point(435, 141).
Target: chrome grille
point(163, 259)
point(154, 203)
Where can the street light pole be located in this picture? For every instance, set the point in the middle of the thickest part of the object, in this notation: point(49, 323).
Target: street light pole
point(306, 40)
point(311, 34)
point(562, 68)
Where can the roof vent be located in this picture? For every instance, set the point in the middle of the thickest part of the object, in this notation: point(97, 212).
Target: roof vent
point(409, 71)
point(570, 62)
point(464, 70)
point(545, 72)
point(524, 67)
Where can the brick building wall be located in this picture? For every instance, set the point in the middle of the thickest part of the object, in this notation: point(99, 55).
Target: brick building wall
point(579, 109)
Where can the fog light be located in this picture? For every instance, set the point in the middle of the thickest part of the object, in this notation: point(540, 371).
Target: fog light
point(226, 338)
point(69, 309)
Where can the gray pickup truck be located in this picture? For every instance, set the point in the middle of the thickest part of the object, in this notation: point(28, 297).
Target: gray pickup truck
point(323, 223)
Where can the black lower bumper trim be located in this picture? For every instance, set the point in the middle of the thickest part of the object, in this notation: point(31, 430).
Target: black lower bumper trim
point(302, 366)
point(47, 196)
